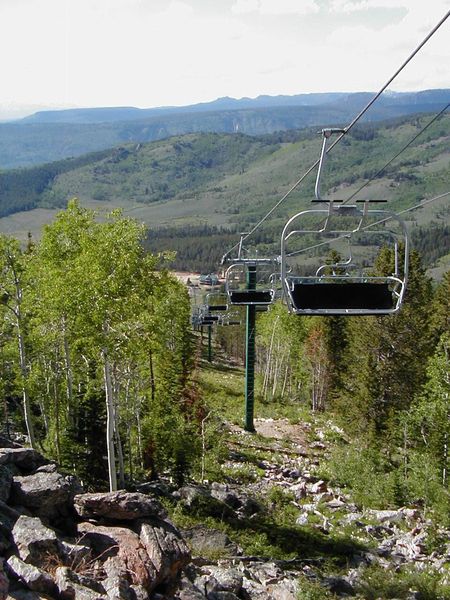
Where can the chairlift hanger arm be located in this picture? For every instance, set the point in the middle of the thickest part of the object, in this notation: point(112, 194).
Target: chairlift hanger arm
point(327, 133)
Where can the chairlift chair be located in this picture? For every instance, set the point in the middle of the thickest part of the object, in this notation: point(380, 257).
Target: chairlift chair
point(216, 302)
point(209, 320)
point(248, 281)
point(316, 284)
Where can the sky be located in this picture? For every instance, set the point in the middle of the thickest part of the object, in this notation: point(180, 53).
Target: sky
point(147, 53)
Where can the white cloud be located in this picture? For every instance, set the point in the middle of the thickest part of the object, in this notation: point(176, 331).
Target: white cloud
point(286, 7)
point(276, 7)
point(242, 7)
point(147, 53)
point(349, 6)
point(380, 52)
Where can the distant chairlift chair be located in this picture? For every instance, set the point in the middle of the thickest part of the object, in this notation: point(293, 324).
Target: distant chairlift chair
point(248, 281)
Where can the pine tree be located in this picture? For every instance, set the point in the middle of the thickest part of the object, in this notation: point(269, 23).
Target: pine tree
point(386, 362)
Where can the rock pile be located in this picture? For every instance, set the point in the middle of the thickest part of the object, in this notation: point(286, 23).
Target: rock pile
point(57, 542)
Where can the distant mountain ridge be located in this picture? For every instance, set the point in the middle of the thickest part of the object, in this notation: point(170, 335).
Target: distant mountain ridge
point(130, 113)
point(55, 135)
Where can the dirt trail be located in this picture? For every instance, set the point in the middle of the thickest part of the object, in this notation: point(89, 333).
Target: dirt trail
point(281, 429)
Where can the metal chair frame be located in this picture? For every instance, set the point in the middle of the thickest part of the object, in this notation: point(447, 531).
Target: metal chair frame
point(396, 282)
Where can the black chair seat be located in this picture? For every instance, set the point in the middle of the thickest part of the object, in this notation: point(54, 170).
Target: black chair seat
point(210, 319)
point(341, 296)
point(250, 297)
point(217, 307)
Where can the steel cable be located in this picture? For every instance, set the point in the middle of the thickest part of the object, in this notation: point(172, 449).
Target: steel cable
point(345, 131)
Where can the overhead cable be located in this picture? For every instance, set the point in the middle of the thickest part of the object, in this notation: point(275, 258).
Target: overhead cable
point(411, 141)
point(379, 222)
point(345, 130)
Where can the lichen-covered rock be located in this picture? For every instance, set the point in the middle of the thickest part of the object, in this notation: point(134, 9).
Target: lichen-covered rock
point(199, 500)
point(48, 496)
point(167, 550)
point(70, 588)
point(117, 506)
point(227, 579)
point(188, 591)
point(204, 541)
point(35, 541)
point(116, 584)
point(241, 503)
point(34, 578)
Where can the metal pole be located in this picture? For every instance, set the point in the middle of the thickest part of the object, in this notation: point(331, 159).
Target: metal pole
point(209, 344)
point(250, 354)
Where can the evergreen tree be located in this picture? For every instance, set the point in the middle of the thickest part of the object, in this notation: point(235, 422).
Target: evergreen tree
point(386, 361)
point(429, 421)
point(440, 319)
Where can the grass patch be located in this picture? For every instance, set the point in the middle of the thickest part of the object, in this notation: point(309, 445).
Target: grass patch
point(381, 584)
point(272, 533)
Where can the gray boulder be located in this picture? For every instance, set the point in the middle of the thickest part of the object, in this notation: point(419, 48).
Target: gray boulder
point(199, 500)
point(116, 584)
point(227, 579)
point(117, 506)
point(167, 550)
point(34, 578)
point(188, 591)
point(6, 479)
point(241, 503)
point(8, 516)
point(70, 588)
point(25, 459)
point(204, 541)
point(49, 496)
point(35, 541)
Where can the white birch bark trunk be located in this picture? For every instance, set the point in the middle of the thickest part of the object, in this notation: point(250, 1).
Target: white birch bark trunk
point(25, 396)
point(110, 425)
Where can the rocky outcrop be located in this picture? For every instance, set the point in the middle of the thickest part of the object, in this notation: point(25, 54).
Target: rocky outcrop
point(60, 543)
point(121, 545)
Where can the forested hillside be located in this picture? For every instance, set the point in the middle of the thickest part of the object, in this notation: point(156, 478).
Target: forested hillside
point(194, 191)
point(63, 134)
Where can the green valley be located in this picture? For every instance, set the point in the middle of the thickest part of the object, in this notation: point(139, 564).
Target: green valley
point(229, 181)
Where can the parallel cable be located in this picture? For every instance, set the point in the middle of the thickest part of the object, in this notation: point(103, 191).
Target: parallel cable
point(345, 131)
point(379, 222)
point(411, 141)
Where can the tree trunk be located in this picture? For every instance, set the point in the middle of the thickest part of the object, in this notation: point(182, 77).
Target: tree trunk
point(109, 422)
point(152, 375)
point(69, 376)
point(25, 396)
point(57, 423)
